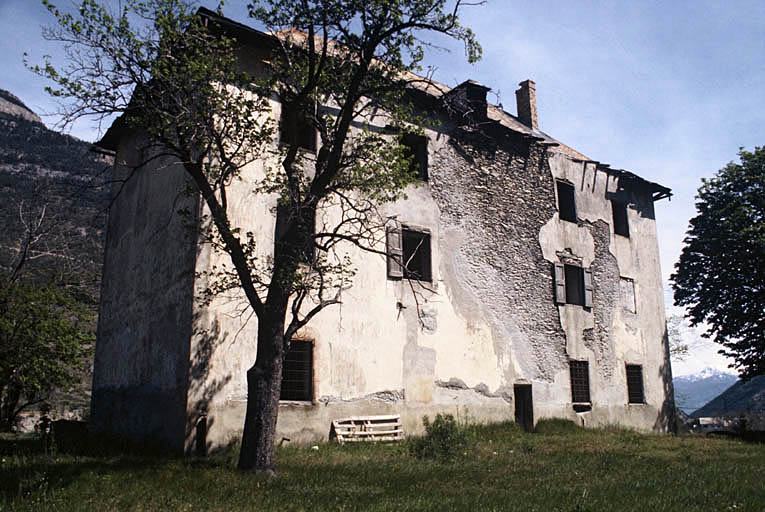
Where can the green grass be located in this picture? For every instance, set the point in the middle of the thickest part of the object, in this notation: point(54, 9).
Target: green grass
point(561, 468)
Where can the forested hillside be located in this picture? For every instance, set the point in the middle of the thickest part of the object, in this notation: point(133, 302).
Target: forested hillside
point(56, 178)
point(53, 217)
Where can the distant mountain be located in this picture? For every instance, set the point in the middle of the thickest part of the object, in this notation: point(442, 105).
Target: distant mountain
point(741, 397)
point(43, 169)
point(694, 391)
point(10, 104)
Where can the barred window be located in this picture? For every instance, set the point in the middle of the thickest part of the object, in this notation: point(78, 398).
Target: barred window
point(297, 372)
point(635, 393)
point(580, 381)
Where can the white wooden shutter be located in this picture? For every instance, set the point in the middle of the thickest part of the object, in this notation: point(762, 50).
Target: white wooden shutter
point(587, 288)
point(560, 283)
point(395, 252)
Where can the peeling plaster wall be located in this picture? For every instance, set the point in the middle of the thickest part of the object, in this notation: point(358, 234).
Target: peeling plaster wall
point(487, 321)
point(613, 333)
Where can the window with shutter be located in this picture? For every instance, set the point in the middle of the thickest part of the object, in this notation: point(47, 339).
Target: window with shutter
point(587, 274)
point(635, 393)
point(573, 285)
point(408, 254)
point(560, 283)
point(395, 253)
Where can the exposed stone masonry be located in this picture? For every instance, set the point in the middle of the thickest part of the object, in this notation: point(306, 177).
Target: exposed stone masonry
point(498, 198)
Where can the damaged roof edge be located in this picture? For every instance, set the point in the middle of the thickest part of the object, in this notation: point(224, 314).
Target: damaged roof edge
point(112, 136)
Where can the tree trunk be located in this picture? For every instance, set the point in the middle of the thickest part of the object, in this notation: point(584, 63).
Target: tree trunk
point(8, 401)
point(264, 382)
point(264, 379)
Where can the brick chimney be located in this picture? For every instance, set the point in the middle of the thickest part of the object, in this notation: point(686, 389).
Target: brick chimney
point(526, 98)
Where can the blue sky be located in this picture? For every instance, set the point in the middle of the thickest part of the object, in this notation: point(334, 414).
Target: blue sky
point(668, 90)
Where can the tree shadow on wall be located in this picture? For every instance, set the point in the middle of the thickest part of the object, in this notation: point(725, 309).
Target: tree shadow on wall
point(203, 386)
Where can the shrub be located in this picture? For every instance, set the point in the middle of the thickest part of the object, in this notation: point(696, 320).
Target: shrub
point(556, 426)
point(444, 439)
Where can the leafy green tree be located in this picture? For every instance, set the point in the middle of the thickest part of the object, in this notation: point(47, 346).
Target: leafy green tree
point(177, 78)
point(720, 276)
point(678, 348)
point(45, 343)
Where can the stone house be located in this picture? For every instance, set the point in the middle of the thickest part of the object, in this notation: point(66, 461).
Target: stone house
point(533, 291)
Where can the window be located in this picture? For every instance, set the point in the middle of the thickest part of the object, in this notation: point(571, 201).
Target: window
point(408, 254)
point(305, 131)
point(580, 382)
point(307, 248)
point(635, 384)
point(297, 372)
point(566, 205)
point(573, 285)
point(627, 288)
point(417, 149)
point(621, 224)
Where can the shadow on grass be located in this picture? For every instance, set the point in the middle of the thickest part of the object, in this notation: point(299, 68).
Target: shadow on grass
point(32, 465)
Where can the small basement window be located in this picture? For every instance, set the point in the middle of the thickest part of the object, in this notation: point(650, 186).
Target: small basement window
point(302, 127)
point(408, 254)
point(297, 372)
point(416, 148)
point(635, 393)
point(621, 224)
point(566, 204)
point(580, 382)
point(573, 285)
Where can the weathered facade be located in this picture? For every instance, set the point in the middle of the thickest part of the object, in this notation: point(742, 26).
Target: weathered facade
point(539, 296)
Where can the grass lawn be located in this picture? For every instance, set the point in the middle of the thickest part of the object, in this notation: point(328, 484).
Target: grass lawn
point(560, 468)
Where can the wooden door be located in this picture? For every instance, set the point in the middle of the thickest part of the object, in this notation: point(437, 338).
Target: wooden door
point(524, 408)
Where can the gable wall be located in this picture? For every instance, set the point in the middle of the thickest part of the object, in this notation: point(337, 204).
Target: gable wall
point(144, 324)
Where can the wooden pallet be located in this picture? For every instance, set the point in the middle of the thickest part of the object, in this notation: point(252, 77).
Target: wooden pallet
point(368, 429)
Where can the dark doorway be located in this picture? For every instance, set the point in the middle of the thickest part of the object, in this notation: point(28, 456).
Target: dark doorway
point(524, 408)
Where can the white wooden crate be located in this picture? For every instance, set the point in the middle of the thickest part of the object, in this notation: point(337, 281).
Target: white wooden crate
point(368, 429)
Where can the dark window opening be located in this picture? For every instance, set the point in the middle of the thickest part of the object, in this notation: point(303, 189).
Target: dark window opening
point(566, 205)
point(635, 393)
point(305, 131)
point(306, 248)
point(580, 382)
point(416, 255)
point(416, 148)
point(297, 372)
point(574, 285)
point(621, 224)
